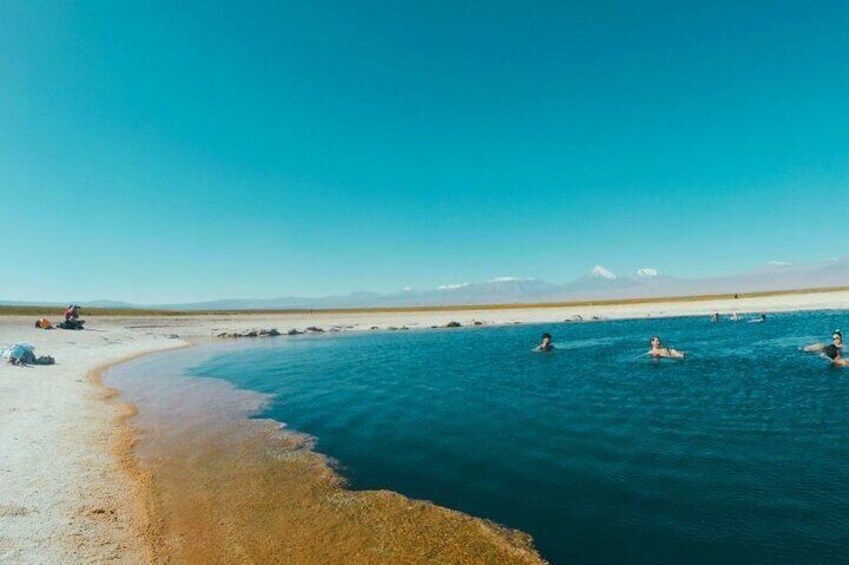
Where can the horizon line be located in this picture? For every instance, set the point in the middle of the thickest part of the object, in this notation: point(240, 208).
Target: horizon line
point(13, 310)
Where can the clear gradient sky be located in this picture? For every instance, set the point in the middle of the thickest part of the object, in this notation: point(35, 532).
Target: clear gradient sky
point(152, 152)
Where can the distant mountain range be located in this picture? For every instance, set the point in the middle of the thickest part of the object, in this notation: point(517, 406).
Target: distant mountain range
point(598, 284)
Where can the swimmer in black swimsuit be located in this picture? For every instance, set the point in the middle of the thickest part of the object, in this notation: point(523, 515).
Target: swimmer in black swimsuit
point(836, 341)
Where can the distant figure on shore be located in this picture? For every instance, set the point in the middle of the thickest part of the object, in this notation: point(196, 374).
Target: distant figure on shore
point(72, 313)
point(836, 341)
point(714, 318)
point(546, 344)
point(72, 319)
point(658, 350)
point(834, 353)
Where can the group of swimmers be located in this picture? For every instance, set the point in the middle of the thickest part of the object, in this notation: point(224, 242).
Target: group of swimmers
point(832, 351)
point(735, 317)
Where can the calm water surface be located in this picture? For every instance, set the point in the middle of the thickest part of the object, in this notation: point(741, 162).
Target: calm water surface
point(739, 453)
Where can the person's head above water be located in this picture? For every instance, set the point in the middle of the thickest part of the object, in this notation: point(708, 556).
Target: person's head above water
point(837, 338)
point(545, 343)
point(546, 338)
point(655, 342)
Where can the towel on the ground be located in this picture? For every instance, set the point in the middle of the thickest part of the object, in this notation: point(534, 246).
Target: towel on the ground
point(24, 354)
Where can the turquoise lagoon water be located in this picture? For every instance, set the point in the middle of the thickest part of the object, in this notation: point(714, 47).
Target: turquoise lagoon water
point(739, 453)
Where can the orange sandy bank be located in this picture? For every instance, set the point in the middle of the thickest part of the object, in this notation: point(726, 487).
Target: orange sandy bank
point(215, 487)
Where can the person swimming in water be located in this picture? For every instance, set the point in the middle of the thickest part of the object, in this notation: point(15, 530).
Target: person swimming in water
point(658, 350)
point(833, 353)
point(546, 344)
point(714, 318)
point(836, 340)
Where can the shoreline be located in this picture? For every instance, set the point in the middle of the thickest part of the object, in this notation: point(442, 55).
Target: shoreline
point(226, 484)
point(63, 494)
point(78, 505)
point(145, 515)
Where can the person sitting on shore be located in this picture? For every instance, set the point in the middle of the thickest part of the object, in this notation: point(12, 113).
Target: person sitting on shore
point(658, 350)
point(72, 319)
point(833, 352)
point(836, 340)
point(72, 313)
point(546, 344)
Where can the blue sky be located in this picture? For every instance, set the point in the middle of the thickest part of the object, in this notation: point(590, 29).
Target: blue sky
point(180, 152)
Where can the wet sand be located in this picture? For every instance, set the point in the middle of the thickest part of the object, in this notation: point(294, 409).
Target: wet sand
point(225, 488)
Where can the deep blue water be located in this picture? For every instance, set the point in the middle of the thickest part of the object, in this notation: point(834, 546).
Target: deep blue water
point(739, 453)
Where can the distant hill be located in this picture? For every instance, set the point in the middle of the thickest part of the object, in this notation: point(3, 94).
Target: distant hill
point(598, 283)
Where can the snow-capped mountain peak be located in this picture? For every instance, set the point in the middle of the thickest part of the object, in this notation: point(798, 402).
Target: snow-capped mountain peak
point(600, 272)
point(646, 273)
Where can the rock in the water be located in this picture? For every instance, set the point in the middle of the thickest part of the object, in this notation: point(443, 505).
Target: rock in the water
point(314, 329)
point(453, 325)
point(478, 323)
point(294, 332)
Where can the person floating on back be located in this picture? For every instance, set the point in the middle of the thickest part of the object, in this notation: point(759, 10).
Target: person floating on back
point(836, 340)
point(834, 353)
point(658, 350)
point(546, 344)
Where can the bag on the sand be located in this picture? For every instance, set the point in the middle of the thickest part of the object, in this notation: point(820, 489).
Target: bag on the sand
point(44, 324)
point(19, 354)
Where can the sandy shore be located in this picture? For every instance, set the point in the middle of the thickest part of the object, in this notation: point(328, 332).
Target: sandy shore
point(65, 495)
